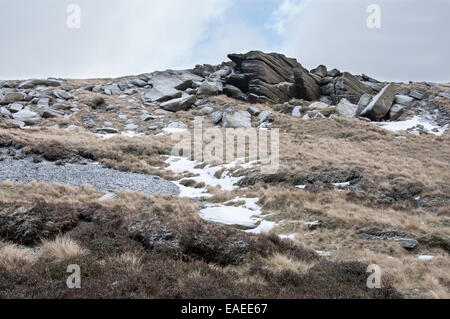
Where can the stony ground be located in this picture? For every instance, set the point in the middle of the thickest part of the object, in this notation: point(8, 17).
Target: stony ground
point(352, 189)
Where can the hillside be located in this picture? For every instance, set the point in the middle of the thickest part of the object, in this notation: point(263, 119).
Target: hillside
point(356, 173)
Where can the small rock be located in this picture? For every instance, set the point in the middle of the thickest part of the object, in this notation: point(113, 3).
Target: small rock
point(12, 97)
point(183, 103)
point(207, 110)
point(16, 107)
point(403, 99)
point(296, 111)
point(254, 110)
point(407, 243)
point(417, 94)
point(319, 105)
point(109, 196)
point(106, 130)
point(396, 111)
point(27, 116)
point(264, 117)
point(216, 117)
point(131, 127)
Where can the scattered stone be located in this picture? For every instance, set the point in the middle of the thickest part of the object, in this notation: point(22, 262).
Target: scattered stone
point(61, 106)
point(106, 130)
point(407, 243)
point(106, 197)
point(50, 113)
point(131, 127)
point(180, 104)
point(396, 111)
point(62, 94)
point(403, 99)
point(112, 89)
point(265, 117)
point(36, 82)
point(112, 108)
point(236, 119)
point(177, 125)
point(26, 116)
point(296, 111)
point(16, 107)
point(216, 117)
point(254, 110)
point(12, 97)
point(417, 94)
point(207, 110)
point(319, 105)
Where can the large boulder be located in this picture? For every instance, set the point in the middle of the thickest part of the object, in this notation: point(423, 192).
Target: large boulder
point(180, 104)
point(381, 103)
point(272, 77)
point(168, 85)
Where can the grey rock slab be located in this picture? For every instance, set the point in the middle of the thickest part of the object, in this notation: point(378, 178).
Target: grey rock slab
point(104, 179)
point(216, 117)
point(12, 97)
point(396, 111)
point(29, 84)
point(407, 243)
point(403, 99)
point(236, 119)
point(15, 107)
point(417, 94)
point(347, 109)
point(253, 110)
point(381, 103)
point(106, 130)
point(27, 116)
point(183, 103)
point(264, 116)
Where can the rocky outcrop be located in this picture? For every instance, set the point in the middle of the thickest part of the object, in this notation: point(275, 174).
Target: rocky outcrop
point(271, 78)
point(233, 118)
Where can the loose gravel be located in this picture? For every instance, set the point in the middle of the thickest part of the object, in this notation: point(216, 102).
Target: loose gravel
point(25, 171)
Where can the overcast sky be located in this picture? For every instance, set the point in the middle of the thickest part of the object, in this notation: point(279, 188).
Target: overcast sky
point(122, 37)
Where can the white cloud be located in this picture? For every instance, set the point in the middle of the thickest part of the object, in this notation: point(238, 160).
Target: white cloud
point(409, 46)
point(285, 13)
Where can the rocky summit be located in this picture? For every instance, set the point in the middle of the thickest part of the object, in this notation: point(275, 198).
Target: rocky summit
point(113, 175)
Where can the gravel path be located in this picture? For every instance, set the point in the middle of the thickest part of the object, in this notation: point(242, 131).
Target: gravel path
point(104, 179)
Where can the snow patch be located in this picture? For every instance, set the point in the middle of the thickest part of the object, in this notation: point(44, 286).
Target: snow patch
point(406, 125)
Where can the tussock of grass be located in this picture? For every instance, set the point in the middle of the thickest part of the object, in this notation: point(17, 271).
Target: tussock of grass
point(62, 248)
point(13, 257)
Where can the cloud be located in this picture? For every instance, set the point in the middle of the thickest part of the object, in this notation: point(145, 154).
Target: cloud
point(285, 13)
point(410, 45)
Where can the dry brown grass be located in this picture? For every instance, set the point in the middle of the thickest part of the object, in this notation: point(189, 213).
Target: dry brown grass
point(62, 248)
point(15, 258)
point(129, 262)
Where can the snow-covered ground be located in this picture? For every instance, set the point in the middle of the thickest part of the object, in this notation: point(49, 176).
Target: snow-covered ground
point(249, 215)
point(412, 125)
